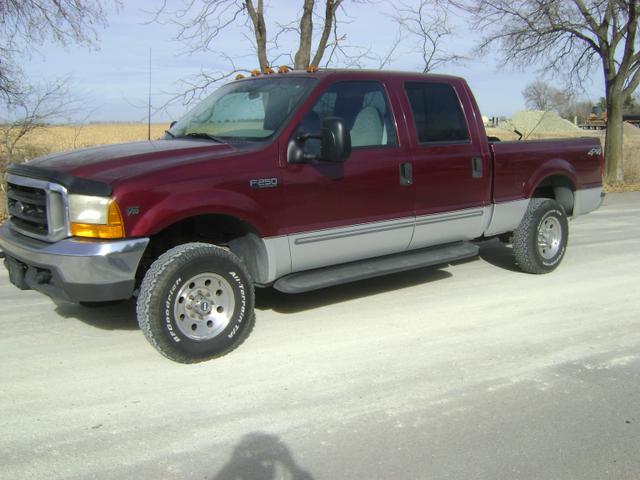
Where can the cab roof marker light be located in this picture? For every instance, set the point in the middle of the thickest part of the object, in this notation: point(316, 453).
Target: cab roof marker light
point(312, 69)
point(255, 73)
point(239, 76)
point(268, 71)
point(283, 69)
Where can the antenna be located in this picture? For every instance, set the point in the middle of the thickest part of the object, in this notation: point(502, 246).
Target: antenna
point(149, 102)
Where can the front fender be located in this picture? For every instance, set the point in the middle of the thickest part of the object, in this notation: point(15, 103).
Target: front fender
point(172, 208)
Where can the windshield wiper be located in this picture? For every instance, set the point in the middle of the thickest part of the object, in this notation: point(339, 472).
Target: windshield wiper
point(204, 135)
point(170, 134)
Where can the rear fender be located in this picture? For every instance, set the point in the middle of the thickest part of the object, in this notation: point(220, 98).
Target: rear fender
point(550, 168)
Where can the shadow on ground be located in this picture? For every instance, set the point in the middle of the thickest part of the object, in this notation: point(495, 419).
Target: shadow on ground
point(260, 456)
point(271, 299)
point(122, 316)
point(498, 254)
point(116, 316)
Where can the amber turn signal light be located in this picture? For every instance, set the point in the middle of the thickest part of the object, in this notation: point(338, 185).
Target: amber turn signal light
point(113, 229)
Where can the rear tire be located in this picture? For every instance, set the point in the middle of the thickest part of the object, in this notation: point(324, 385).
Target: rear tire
point(540, 241)
point(196, 302)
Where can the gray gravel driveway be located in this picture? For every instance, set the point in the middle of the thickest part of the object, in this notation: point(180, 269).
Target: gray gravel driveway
point(470, 371)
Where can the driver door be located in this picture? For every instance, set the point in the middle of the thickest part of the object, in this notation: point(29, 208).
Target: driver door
point(361, 208)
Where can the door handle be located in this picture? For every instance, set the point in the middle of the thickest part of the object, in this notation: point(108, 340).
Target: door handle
point(476, 167)
point(406, 173)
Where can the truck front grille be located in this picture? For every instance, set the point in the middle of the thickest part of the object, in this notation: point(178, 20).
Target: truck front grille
point(37, 208)
point(28, 208)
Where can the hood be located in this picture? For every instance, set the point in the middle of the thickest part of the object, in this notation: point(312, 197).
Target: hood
point(110, 163)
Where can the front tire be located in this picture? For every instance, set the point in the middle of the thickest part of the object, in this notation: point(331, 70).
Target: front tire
point(540, 241)
point(196, 302)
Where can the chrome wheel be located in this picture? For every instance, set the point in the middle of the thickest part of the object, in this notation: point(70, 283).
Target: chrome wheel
point(549, 237)
point(204, 306)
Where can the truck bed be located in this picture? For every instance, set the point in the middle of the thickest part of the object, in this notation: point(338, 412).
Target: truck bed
point(519, 166)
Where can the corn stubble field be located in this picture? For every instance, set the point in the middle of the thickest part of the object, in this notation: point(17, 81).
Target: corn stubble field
point(58, 138)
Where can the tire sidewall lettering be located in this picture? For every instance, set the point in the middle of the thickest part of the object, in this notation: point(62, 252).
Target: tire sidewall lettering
point(168, 279)
point(235, 323)
point(243, 303)
point(168, 311)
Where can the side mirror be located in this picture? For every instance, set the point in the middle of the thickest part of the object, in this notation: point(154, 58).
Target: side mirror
point(335, 140)
point(335, 143)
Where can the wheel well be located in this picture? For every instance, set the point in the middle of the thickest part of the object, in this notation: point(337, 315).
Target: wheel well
point(222, 230)
point(558, 188)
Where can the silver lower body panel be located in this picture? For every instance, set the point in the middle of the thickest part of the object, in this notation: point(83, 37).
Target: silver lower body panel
point(587, 200)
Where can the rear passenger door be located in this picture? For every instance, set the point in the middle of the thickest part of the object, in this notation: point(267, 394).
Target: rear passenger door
point(451, 173)
point(357, 209)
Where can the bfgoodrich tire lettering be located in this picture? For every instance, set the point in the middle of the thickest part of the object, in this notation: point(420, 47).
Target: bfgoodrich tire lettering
point(540, 241)
point(196, 302)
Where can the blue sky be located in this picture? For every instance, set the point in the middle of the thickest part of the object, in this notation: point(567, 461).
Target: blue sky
point(113, 80)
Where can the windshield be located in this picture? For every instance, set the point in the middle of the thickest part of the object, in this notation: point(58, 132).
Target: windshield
point(250, 109)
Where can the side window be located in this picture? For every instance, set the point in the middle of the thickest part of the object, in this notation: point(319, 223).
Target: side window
point(437, 113)
point(364, 108)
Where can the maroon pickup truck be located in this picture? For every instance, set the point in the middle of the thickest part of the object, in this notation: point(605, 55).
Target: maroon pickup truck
point(297, 180)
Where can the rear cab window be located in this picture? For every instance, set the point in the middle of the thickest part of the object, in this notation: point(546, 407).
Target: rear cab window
point(437, 113)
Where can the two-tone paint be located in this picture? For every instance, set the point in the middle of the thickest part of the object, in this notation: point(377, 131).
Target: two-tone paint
point(317, 214)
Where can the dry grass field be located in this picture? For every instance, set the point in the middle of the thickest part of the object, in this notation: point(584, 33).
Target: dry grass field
point(58, 138)
point(66, 137)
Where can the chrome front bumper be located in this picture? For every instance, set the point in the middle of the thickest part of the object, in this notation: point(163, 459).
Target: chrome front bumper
point(73, 269)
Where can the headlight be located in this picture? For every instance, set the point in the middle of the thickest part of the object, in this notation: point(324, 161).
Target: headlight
point(95, 217)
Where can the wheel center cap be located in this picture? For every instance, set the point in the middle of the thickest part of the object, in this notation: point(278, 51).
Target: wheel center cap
point(203, 306)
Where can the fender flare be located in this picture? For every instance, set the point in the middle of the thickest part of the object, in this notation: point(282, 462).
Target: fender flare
point(550, 168)
point(176, 207)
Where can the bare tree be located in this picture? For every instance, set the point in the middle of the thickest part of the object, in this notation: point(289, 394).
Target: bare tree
point(26, 24)
point(388, 57)
point(570, 37)
point(539, 95)
point(31, 111)
point(631, 105)
point(581, 110)
point(427, 21)
point(200, 23)
point(314, 29)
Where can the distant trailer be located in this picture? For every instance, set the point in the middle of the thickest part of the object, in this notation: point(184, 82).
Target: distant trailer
point(633, 119)
point(595, 125)
point(602, 124)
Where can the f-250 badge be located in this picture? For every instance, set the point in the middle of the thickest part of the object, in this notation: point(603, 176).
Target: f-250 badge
point(263, 183)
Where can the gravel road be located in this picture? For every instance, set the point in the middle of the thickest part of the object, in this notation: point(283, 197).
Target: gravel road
point(470, 371)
